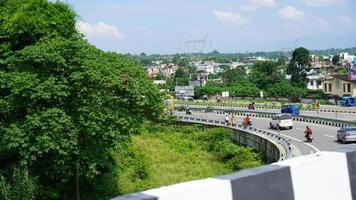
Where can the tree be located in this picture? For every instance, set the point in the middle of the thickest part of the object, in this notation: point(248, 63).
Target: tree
point(243, 88)
point(181, 77)
point(230, 76)
point(183, 62)
point(336, 60)
point(285, 89)
point(265, 73)
point(298, 66)
point(65, 105)
point(160, 76)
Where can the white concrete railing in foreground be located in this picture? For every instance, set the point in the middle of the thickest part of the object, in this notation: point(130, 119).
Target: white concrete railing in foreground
point(322, 176)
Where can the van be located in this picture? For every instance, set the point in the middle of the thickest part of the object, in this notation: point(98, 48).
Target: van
point(292, 109)
point(281, 121)
point(348, 101)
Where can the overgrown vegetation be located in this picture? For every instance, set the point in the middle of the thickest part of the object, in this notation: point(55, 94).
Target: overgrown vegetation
point(164, 155)
point(65, 106)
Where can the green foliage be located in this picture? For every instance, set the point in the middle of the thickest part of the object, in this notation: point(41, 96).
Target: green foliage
point(20, 186)
point(64, 104)
point(181, 77)
point(286, 89)
point(243, 88)
point(29, 21)
point(298, 67)
point(170, 154)
point(232, 75)
point(266, 73)
point(316, 94)
point(336, 60)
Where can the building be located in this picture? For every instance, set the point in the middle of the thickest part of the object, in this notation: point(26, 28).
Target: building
point(340, 85)
point(159, 82)
point(314, 82)
point(184, 91)
point(152, 72)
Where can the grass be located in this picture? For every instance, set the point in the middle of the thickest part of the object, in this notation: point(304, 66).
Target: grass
point(169, 155)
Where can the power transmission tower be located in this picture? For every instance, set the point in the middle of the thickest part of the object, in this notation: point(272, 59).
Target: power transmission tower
point(195, 47)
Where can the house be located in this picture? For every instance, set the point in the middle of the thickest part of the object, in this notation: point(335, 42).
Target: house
point(168, 70)
point(152, 72)
point(314, 82)
point(340, 85)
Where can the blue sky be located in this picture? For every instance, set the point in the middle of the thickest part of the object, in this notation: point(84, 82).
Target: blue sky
point(162, 26)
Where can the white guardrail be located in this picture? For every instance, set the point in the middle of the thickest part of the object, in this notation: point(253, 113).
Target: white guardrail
point(282, 141)
point(264, 107)
point(266, 114)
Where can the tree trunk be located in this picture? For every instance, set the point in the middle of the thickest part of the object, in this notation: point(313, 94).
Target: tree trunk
point(77, 191)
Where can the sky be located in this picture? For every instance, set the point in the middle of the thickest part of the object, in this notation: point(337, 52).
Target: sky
point(229, 26)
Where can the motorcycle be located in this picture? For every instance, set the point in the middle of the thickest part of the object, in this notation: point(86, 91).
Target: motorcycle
point(246, 123)
point(308, 137)
point(188, 112)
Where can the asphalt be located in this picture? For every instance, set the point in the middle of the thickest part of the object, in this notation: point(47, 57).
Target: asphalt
point(324, 136)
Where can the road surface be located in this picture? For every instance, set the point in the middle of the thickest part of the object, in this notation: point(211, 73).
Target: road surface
point(324, 136)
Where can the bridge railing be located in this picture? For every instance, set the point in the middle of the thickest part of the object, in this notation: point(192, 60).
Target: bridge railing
point(266, 114)
point(282, 141)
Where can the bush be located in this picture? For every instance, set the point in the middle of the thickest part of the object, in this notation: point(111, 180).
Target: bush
point(20, 186)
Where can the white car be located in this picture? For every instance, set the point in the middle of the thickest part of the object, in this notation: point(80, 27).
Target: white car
point(346, 134)
point(280, 121)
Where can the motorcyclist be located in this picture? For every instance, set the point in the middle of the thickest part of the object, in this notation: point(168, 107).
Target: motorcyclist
point(308, 133)
point(249, 120)
point(187, 111)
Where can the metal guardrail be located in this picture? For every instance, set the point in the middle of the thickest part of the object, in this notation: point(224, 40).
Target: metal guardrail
point(303, 118)
point(264, 107)
point(284, 142)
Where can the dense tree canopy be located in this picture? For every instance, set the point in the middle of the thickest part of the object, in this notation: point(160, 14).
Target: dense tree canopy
point(266, 73)
point(65, 106)
point(299, 66)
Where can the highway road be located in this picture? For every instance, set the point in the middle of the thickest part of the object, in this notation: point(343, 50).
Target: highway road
point(331, 115)
point(324, 136)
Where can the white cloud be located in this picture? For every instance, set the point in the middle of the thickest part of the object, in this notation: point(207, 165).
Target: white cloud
point(255, 4)
point(321, 3)
point(346, 20)
point(250, 7)
point(265, 3)
point(100, 30)
point(229, 18)
point(291, 14)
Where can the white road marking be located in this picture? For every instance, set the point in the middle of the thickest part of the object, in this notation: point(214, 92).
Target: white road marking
point(311, 152)
point(328, 136)
point(311, 146)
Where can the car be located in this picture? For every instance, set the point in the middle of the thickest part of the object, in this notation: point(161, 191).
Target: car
point(282, 121)
point(346, 134)
point(292, 109)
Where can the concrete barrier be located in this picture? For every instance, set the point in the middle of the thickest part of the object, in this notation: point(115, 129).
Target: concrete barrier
point(322, 176)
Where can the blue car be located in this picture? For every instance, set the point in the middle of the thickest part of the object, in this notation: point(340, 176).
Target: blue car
point(292, 109)
point(348, 101)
